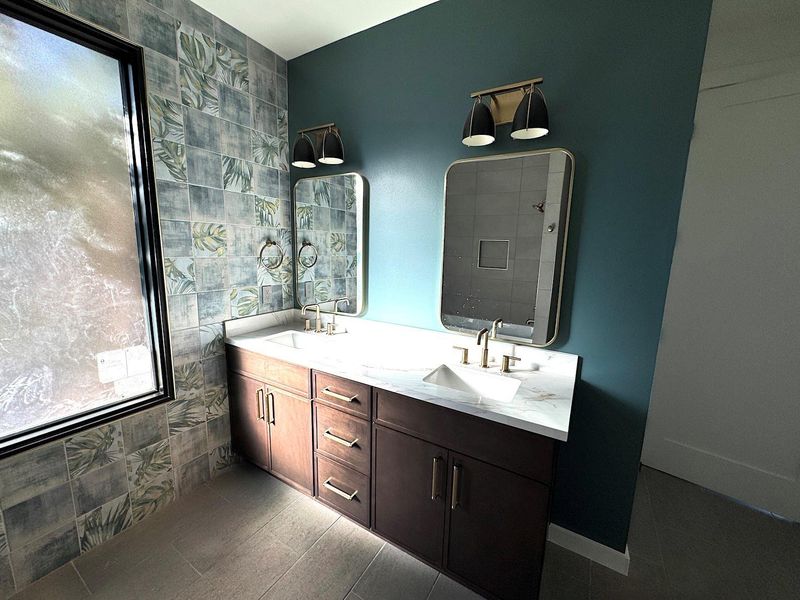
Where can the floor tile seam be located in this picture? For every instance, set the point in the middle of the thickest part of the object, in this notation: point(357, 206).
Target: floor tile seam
point(299, 558)
point(361, 575)
point(270, 520)
point(438, 575)
point(655, 523)
point(80, 577)
point(182, 557)
point(246, 539)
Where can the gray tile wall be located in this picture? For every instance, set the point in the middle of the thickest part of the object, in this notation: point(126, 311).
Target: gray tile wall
point(494, 200)
point(219, 124)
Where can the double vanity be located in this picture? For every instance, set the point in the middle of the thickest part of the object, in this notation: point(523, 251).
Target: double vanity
point(384, 424)
point(443, 443)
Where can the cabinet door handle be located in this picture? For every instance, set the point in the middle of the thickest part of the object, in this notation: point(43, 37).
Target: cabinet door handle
point(328, 485)
point(271, 409)
point(339, 440)
point(435, 478)
point(327, 391)
point(456, 492)
point(260, 403)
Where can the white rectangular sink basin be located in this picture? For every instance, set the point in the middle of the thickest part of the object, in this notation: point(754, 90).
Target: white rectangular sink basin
point(301, 341)
point(484, 385)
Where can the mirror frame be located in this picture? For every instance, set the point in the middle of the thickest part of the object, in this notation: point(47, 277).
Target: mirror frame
point(361, 243)
point(563, 249)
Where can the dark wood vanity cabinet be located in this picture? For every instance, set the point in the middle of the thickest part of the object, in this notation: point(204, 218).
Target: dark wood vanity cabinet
point(290, 437)
point(410, 492)
point(270, 409)
point(497, 527)
point(467, 495)
point(249, 428)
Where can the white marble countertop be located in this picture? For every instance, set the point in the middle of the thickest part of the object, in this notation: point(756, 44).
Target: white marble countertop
point(397, 358)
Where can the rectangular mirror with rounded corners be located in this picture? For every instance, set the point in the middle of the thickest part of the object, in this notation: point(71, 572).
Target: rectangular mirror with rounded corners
point(330, 233)
point(505, 235)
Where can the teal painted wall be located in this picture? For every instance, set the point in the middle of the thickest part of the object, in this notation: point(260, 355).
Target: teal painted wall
point(621, 79)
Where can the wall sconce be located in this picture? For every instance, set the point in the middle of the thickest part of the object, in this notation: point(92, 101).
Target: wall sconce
point(479, 128)
point(304, 153)
point(522, 104)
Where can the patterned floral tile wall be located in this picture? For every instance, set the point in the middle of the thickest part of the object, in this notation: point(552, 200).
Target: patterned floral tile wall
point(326, 213)
point(219, 125)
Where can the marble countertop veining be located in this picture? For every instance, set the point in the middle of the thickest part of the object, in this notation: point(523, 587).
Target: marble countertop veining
point(397, 358)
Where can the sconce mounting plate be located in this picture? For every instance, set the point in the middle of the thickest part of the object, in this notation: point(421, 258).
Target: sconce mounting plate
point(318, 131)
point(506, 98)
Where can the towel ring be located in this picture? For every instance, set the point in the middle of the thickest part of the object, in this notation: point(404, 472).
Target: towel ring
point(265, 259)
point(308, 261)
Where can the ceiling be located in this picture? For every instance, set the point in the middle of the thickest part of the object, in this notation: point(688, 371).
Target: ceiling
point(291, 27)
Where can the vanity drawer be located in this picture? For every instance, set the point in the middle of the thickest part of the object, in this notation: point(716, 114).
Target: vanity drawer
point(271, 370)
point(344, 489)
point(346, 395)
point(342, 436)
point(516, 450)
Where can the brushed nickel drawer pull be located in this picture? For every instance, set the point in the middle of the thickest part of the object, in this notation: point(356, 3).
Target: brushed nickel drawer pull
point(435, 479)
point(339, 440)
point(271, 408)
point(328, 485)
point(260, 403)
point(327, 391)
point(455, 496)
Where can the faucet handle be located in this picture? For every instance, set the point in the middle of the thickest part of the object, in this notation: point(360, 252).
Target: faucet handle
point(307, 326)
point(464, 354)
point(504, 367)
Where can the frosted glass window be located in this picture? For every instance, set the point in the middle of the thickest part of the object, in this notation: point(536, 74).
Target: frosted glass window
point(75, 331)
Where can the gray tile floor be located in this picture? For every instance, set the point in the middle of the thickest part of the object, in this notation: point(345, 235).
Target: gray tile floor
point(245, 535)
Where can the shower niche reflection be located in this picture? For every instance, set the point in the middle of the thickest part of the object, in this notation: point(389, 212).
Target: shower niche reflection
point(506, 220)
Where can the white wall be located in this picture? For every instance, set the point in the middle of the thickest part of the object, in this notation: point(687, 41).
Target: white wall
point(725, 405)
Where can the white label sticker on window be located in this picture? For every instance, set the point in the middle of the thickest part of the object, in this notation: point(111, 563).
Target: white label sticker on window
point(138, 358)
point(111, 366)
point(129, 387)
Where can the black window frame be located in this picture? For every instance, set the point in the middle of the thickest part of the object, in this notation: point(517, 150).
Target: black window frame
point(145, 210)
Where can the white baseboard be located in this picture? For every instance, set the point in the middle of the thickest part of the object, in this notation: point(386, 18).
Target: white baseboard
point(775, 492)
point(602, 555)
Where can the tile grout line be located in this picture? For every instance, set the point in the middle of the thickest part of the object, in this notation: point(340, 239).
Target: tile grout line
point(78, 573)
point(435, 579)
point(655, 523)
point(184, 559)
point(430, 593)
point(361, 576)
point(657, 533)
point(299, 558)
point(227, 501)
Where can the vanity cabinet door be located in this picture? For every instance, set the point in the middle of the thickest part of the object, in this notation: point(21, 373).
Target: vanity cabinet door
point(248, 413)
point(497, 527)
point(410, 478)
point(290, 437)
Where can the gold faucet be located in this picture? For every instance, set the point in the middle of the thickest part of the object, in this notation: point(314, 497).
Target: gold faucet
point(332, 325)
point(484, 333)
point(496, 324)
point(318, 324)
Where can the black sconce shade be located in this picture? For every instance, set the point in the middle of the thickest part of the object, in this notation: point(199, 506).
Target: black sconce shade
point(332, 148)
point(303, 154)
point(531, 119)
point(479, 127)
